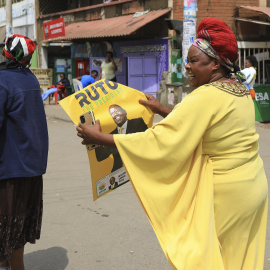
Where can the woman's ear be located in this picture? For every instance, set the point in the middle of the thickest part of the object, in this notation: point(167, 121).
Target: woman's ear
point(217, 64)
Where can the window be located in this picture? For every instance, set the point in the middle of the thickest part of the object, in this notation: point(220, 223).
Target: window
point(3, 2)
point(52, 6)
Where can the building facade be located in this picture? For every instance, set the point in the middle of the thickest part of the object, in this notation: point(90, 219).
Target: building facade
point(135, 31)
point(249, 20)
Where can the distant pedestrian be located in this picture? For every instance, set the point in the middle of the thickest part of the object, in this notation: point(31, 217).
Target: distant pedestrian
point(108, 68)
point(23, 152)
point(250, 73)
point(89, 79)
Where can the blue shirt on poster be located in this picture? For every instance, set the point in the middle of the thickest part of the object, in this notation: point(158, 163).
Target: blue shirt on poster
point(86, 80)
point(23, 126)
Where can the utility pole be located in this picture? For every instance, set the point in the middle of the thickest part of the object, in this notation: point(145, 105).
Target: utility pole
point(8, 18)
point(189, 34)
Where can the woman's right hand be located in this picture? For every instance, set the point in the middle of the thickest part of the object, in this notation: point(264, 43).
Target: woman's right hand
point(92, 134)
point(155, 106)
point(89, 133)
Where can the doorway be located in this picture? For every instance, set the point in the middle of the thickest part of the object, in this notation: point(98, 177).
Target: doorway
point(143, 74)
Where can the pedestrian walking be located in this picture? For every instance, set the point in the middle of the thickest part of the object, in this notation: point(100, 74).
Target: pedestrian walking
point(250, 72)
point(23, 152)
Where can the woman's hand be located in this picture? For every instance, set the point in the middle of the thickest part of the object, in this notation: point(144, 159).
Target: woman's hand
point(92, 134)
point(155, 106)
point(89, 133)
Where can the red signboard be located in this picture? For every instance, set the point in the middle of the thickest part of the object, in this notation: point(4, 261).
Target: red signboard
point(54, 28)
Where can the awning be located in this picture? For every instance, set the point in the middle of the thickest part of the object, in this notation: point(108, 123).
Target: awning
point(263, 10)
point(113, 27)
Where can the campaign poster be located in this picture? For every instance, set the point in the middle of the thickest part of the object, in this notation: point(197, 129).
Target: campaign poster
point(117, 108)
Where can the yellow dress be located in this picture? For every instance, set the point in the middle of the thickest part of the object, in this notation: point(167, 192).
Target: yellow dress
point(201, 182)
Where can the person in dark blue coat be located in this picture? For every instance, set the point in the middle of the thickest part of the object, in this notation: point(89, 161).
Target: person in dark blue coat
point(23, 152)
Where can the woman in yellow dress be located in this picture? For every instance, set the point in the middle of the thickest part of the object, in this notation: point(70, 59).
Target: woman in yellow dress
point(197, 173)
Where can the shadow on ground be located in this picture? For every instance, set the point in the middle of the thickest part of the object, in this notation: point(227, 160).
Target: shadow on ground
point(52, 258)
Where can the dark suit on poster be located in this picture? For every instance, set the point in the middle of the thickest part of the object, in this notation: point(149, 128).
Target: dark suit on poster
point(133, 126)
point(115, 185)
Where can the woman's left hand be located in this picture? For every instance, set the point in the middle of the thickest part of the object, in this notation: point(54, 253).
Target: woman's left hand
point(89, 133)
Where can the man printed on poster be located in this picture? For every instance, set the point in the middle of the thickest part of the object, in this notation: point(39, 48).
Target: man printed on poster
point(111, 103)
point(113, 183)
point(124, 126)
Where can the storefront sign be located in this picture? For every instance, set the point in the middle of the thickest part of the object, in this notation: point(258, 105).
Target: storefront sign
point(44, 76)
point(54, 28)
point(144, 48)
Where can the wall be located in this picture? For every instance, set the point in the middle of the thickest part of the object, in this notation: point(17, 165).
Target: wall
point(123, 49)
point(246, 30)
point(223, 10)
point(23, 19)
point(154, 5)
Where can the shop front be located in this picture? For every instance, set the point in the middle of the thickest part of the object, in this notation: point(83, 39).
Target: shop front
point(140, 63)
point(146, 61)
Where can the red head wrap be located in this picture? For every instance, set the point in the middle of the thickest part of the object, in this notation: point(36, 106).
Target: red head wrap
point(19, 48)
point(221, 38)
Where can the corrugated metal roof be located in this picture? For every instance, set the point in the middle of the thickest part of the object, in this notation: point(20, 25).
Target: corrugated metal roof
point(113, 27)
point(265, 10)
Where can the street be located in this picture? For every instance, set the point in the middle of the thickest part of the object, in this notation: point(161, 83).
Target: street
point(112, 233)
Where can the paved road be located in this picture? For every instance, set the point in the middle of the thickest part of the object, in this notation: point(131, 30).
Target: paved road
point(112, 233)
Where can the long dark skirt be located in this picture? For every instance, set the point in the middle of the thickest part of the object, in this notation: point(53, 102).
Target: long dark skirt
point(20, 213)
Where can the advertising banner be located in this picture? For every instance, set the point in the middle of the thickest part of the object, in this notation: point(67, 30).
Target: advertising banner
point(262, 102)
point(44, 76)
point(118, 109)
point(54, 28)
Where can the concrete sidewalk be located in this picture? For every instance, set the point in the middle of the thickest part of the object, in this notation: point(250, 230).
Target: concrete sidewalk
point(55, 111)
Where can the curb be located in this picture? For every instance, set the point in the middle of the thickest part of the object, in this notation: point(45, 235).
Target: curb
point(265, 125)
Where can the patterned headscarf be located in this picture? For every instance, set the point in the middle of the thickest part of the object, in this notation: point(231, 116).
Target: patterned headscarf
point(217, 40)
point(19, 48)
